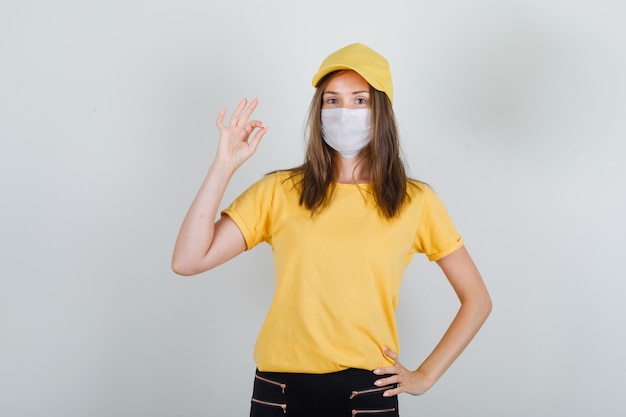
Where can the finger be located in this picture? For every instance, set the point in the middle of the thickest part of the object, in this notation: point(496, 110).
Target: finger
point(390, 353)
point(387, 370)
point(234, 119)
point(393, 391)
point(256, 139)
point(245, 115)
point(254, 124)
point(391, 380)
point(220, 118)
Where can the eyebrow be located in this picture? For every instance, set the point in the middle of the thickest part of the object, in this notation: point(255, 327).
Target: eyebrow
point(356, 92)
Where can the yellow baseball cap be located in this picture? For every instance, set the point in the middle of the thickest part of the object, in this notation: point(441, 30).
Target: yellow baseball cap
point(368, 63)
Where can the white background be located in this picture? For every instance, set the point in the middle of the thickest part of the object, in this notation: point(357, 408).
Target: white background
point(514, 111)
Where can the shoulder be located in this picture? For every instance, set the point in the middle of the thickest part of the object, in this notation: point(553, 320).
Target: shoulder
point(282, 178)
point(284, 174)
point(418, 189)
point(275, 182)
point(422, 195)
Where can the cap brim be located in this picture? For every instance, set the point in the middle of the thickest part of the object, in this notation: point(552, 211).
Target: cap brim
point(322, 72)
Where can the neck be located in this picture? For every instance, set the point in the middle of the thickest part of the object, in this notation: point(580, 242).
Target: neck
point(352, 171)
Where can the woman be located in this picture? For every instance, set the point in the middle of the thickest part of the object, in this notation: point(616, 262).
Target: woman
point(343, 226)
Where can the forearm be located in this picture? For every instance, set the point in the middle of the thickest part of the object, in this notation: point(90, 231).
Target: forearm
point(198, 227)
point(202, 243)
point(469, 319)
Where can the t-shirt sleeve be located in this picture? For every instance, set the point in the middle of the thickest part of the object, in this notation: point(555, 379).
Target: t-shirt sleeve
point(251, 212)
point(436, 235)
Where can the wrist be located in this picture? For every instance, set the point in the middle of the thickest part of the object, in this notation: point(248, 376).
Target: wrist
point(222, 168)
point(426, 379)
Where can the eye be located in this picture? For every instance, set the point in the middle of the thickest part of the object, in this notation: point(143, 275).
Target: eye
point(361, 101)
point(331, 101)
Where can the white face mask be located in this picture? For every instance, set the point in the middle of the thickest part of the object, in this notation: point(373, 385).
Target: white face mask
point(346, 130)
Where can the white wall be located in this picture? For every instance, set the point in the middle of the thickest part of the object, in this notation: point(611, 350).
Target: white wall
point(512, 110)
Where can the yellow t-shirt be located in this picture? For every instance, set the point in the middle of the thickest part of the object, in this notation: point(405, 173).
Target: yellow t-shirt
point(337, 273)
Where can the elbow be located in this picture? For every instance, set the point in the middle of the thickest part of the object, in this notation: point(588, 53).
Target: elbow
point(486, 306)
point(479, 307)
point(186, 266)
point(182, 268)
point(179, 270)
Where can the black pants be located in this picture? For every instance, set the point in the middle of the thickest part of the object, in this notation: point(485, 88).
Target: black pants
point(339, 394)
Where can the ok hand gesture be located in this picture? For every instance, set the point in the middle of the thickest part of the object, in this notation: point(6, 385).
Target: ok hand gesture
point(236, 142)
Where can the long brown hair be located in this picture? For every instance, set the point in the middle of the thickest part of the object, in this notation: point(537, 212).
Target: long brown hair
point(387, 173)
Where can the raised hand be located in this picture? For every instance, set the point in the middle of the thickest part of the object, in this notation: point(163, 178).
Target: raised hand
point(237, 142)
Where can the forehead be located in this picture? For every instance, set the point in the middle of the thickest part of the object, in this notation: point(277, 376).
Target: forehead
point(347, 81)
